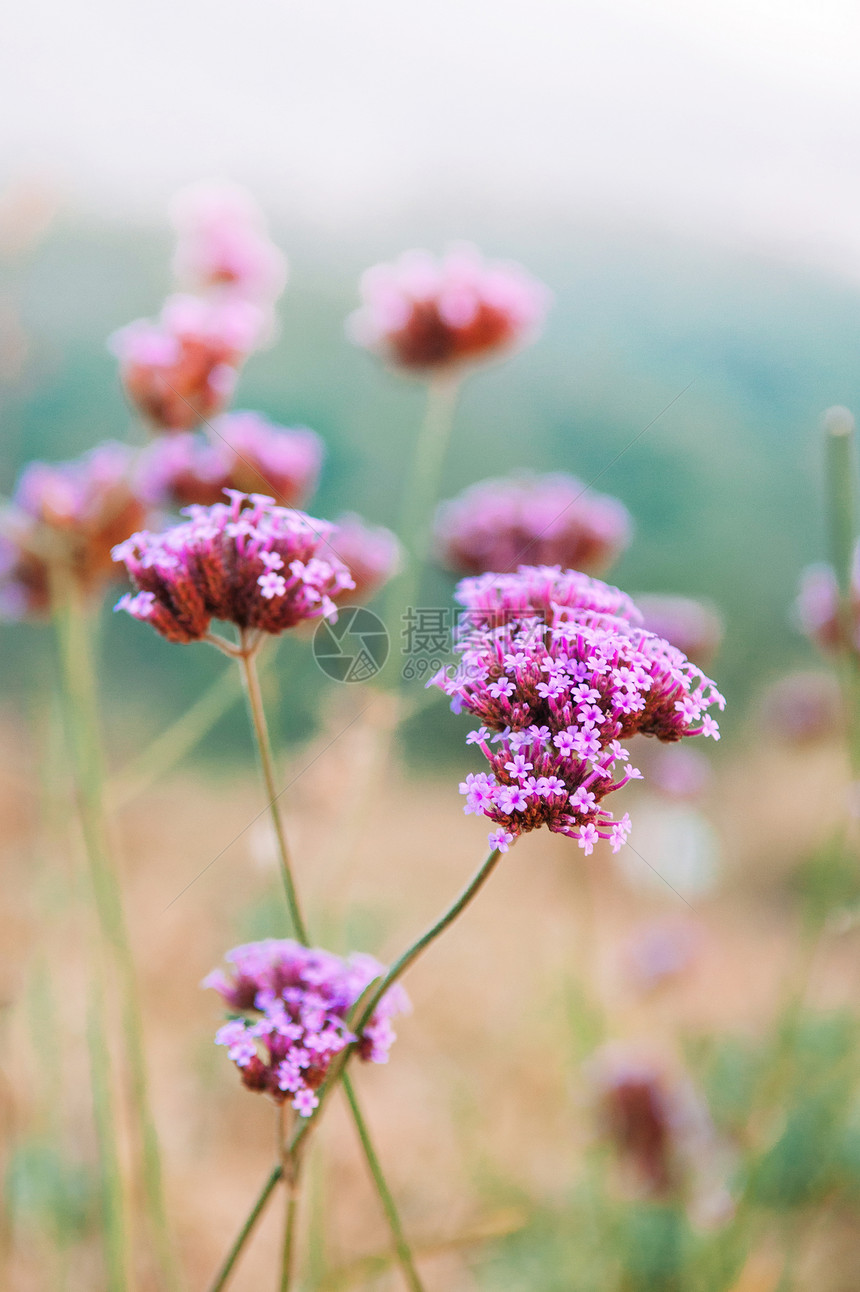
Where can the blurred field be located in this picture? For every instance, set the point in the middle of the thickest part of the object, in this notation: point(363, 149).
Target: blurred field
point(483, 1116)
point(690, 381)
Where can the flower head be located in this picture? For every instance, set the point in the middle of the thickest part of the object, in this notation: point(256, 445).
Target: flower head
point(371, 553)
point(242, 451)
point(183, 369)
point(223, 244)
point(248, 562)
point(294, 1004)
point(817, 609)
point(557, 681)
point(426, 315)
point(542, 520)
point(66, 517)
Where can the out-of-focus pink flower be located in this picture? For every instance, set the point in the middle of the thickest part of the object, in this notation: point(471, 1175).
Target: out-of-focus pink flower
point(183, 369)
point(662, 950)
point(246, 562)
point(695, 627)
point(222, 242)
point(535, 520)
point(62, 523)
point(371, 553)
point(802, 707)
point(241, 451)
point(662, 1132)
point(427, 315)
point(817, 608)
point(678, 771)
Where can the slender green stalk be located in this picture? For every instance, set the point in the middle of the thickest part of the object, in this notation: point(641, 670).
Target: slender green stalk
point(247, 1229)
point(841, 466)
point(404, 1254)
point(416, 509)
point(172, 745)
point(247, 658)
point(371, 999)
point(292, 1167)
point(113, 1199)
point(83, 726)
point(251, 678)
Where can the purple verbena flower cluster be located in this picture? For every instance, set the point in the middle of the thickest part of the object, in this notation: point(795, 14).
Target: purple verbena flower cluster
point(542, 519)
point(242, 450)
point(557, 681)
point(248, 562)
point(294, 1003)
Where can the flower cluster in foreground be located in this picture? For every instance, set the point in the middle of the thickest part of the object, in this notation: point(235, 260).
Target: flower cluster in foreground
point(558, 674)
point(294, 1003)
point(242, 450)
point(248, 562)
point(542, 520)
point(427, 315)
point(63, 520)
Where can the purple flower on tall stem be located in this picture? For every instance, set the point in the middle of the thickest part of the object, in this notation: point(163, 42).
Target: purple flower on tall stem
point(295, 1003)
point(223, 244)
point(183, 369)
point(371, 553)
point(62, 523)
point(557, 681)
point(261, 567)
point(542, 520)
point(695, 627)
point(240, 450)
point(818, 612)
point(429, 316)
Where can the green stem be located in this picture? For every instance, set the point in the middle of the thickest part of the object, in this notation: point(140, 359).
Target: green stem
point(838, 425)
point(179, 739)
point(418, 499)
point(288, 1252)
point(83, 725)
point(247, 1229)
point(113, 1201)
point(404, 1254)
point(396, 971)
point(248, 663)
point(247, 658)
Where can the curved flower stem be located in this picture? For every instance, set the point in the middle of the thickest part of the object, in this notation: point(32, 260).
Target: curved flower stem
point(372, 999)
point(248, 664)
point(83, 725)
point(247, 1229)
point(404, 1254)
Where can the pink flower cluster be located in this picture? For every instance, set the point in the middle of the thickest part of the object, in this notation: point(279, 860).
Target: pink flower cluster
point(371, 553)
point(248, 562)
point(558, 675)
point(543, 520)
point(817, 608)
point(183, 369)
point(243, 451)
point(295, 1003)
point(223, 245)
point(63, 521)
point(426, 315)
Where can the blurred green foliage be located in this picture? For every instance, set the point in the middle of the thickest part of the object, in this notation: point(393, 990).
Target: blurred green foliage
point(687, 381)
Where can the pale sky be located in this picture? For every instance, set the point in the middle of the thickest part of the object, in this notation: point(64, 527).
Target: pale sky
point(737, 120)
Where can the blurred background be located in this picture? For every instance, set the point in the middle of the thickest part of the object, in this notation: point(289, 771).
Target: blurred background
point(684, 179)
